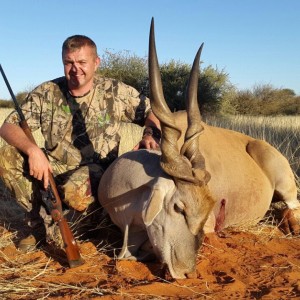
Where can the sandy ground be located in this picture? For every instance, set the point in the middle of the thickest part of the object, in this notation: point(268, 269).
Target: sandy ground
point(256, 264)
point(253, 263)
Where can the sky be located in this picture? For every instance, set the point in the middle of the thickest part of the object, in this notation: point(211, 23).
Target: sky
point(255, 42)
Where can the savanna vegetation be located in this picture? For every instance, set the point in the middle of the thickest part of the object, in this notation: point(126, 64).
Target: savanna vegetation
point(250, 263)
point(217, 95)
point(264, 111)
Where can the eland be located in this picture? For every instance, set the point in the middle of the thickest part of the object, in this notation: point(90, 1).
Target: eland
point(204, 179)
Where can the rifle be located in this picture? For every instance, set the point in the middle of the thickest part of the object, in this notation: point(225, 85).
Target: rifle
point(71, 248)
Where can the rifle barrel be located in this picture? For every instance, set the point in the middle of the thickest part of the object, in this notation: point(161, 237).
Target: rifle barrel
point(12, 95)
point(71, 248)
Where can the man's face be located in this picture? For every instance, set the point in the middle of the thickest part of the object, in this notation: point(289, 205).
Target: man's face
point(79, 67)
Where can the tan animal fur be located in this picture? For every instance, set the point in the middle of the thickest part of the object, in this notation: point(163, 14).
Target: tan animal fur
point(164, 201)
point(246, 172)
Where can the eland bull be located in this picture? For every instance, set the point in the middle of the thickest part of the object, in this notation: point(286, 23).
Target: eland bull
point(164, 201)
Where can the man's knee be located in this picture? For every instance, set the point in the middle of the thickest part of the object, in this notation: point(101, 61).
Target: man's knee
point(10, 158)
point(11, 164)
point(13, 176)
point(78, 195)
point(81, 187)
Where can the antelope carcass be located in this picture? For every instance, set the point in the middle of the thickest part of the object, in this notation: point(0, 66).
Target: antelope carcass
point(164, 201)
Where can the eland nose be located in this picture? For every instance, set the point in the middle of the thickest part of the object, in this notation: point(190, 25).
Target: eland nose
point(191, 275)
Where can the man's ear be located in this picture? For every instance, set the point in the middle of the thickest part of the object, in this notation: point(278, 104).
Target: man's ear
point(97, 63)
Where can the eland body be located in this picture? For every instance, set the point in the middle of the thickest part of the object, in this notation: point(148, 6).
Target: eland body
point(164, 201)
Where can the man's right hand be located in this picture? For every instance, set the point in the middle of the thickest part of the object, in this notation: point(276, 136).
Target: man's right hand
point(39, 166)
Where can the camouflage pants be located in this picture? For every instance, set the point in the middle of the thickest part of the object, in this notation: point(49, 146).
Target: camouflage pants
point(77, 186)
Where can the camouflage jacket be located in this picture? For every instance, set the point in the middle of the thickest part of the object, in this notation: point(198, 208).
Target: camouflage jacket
point(79, 130)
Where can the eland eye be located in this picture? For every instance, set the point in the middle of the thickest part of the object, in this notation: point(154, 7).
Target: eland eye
point(179, 209)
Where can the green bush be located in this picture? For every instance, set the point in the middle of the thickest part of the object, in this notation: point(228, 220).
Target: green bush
point(10, 104)
point(6, 104)
point(216, 95)
point(126, 67)
point(264, 100)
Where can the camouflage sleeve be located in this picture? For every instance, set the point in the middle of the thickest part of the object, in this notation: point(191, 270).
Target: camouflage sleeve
point(136, 106)
point(31, 109)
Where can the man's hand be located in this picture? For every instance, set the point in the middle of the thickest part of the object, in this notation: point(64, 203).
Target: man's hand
point(148, 142)
point(39, 166)
point(152, 134)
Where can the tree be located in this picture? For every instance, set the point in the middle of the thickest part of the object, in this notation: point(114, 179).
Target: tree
point(264, 99)
point(133, 70)
point(174, 76)
point(10, 104)
point(126, 67)
point(21, 96)
point(6, 104)
point(214, 88)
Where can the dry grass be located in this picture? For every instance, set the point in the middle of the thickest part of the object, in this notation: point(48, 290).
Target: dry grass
point(27, 276)
point(21, 278)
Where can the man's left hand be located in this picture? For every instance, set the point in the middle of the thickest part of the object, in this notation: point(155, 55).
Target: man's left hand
point(148, 142)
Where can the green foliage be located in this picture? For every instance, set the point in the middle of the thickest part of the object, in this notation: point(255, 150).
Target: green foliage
point(265, 100)
point(6, 104)
point(214, 87)
point(174, 76)
point(10, 104)
point(21, 96)
point(126, 67)
point(216, 95)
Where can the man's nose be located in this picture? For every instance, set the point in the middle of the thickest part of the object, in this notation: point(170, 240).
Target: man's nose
point(74, 67)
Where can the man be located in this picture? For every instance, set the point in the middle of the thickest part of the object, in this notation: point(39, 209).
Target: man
point(79, 116)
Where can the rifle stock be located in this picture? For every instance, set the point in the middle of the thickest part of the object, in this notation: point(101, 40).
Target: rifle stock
point(71, 248)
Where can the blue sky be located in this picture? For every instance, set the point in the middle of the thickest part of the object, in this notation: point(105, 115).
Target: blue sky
point(254, 41)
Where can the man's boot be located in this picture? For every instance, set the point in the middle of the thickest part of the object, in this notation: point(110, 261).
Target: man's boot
point(38, 224)
point(36, 238)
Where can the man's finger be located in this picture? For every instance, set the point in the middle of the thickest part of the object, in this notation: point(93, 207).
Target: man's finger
point(46, 180)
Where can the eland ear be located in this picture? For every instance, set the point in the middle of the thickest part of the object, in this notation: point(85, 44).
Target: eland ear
point(154, 207)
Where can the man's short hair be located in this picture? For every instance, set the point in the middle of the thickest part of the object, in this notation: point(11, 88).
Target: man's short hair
point(77, 41)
